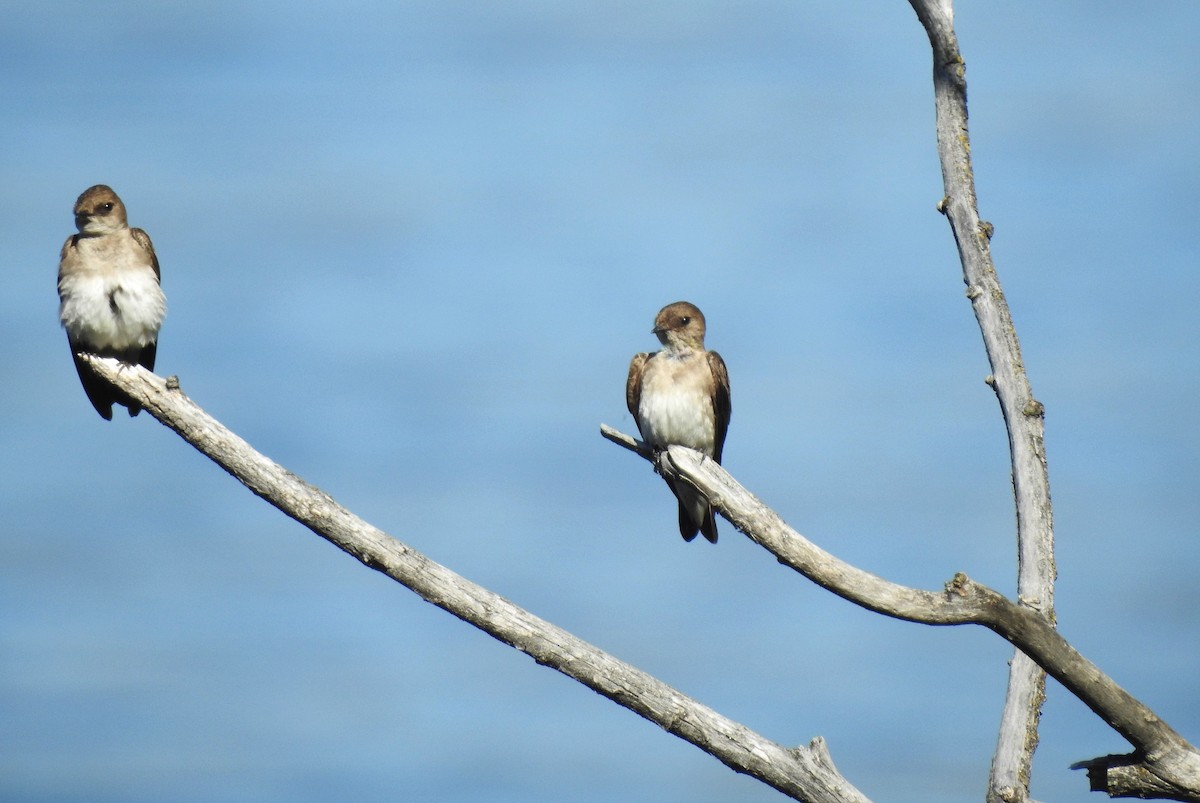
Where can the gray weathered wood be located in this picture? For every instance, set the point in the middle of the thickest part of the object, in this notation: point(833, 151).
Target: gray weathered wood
point(1023, 414)
point(804, 773)
point(1160, 752)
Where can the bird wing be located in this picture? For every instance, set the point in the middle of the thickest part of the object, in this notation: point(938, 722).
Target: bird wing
point(722, 406)
point(143, 239)
point(633, 385)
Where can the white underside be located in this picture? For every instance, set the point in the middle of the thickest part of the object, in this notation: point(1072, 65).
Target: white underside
point(87, 308)
point(672, 411)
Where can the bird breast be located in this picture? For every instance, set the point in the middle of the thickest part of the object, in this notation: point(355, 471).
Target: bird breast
point(676, 402)
point(105, 312)
point(110, 297)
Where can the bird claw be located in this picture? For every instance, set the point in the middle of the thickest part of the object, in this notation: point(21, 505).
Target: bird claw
point(660, 454)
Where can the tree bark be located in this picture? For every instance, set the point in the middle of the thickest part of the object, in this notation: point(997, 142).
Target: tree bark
point(804, 772)
point(1163, 764)
point(1162, 759)
point(1023, 414)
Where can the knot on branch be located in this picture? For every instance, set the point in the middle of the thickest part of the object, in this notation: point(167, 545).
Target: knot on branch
point(958, 585)
point(818, 750)
point(1009, 794)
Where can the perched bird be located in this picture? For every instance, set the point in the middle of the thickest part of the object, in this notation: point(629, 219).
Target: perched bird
point(680, 396)
point(110, 301)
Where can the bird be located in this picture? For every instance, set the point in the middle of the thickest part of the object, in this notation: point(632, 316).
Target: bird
point(679, 395)
point(111, 302)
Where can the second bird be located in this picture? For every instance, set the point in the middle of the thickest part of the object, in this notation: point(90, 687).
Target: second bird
point(108, 286)
point(680, 396)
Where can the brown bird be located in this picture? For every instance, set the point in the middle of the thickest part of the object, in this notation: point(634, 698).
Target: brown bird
point(110, 299)
point(680, 396)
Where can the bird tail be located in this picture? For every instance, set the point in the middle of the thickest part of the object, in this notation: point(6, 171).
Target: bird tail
point(695, 513)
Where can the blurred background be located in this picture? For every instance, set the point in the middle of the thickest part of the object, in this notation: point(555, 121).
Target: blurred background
point(409, 249)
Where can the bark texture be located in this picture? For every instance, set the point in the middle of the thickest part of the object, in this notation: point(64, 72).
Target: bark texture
point(804, 773)
point(1162, 759)
point(1023, 414)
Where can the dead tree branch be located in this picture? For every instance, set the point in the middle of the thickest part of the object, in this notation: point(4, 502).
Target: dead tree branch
point(1023, 414)
point(804, 773)
point(1160, 752)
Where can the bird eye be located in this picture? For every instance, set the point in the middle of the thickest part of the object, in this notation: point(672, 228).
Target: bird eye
point(105, 208)
point(685, 320)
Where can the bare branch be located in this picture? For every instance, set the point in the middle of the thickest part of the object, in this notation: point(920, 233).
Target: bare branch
point(1023, 415)
point(803, 773)
point(632, 444)
point(1160, 752)
point(1127, 776)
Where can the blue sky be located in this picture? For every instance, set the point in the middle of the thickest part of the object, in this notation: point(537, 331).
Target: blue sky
point(408, 251)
